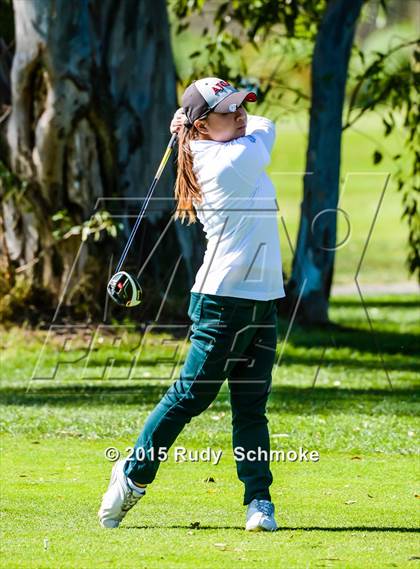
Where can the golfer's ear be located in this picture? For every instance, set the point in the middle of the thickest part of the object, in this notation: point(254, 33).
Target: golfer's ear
point(201, 126)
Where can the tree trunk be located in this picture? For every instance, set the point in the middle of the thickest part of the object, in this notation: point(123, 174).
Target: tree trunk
point(313, 261)
point(93, 91)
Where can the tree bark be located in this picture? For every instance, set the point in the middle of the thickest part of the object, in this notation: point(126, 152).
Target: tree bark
point(93, 91)
point(313, 262)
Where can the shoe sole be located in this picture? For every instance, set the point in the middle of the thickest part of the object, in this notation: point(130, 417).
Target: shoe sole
point(260, 528)
point(109, 524)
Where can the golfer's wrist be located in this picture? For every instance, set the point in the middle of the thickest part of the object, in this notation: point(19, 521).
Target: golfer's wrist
point(177, 121)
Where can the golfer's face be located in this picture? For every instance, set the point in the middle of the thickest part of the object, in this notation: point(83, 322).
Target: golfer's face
point(223, 127)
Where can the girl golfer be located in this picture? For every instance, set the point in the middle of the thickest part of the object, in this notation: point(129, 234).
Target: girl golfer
point(221, 180)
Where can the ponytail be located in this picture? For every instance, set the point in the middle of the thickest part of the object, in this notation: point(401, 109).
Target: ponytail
point(186, 185)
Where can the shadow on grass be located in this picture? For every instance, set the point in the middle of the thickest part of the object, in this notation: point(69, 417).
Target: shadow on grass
point(284, 528)
point(291, 399)
point(377, 349)
point(353, 364)
point(292, 358)
point(371, 345)
point(361, 340)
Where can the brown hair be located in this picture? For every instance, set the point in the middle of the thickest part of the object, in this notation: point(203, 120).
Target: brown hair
point(186, 185)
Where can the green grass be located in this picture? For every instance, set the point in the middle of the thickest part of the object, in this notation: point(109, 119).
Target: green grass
point(357, 507)
point(58, 484)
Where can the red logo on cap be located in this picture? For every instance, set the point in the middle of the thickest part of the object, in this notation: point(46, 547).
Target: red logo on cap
point(219, 86)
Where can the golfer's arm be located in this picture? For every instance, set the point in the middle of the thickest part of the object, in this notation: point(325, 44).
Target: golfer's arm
point(248, 158)
point(262, 128)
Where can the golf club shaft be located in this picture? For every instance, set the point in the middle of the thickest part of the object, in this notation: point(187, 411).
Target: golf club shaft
point(159, 171)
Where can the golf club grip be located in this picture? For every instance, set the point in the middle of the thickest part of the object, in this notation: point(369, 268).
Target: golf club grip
point(165, 157)
point(159, 171)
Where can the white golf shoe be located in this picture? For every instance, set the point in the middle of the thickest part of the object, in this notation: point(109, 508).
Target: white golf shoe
point(260, 516)
point(118, 499)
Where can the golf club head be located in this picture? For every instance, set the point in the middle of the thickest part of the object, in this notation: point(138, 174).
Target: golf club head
point(125, 290)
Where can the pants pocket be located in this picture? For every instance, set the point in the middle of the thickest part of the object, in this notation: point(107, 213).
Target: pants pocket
point(212, 309)
point(194, 308)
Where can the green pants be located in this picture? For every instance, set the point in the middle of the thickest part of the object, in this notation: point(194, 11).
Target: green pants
point(232, 338)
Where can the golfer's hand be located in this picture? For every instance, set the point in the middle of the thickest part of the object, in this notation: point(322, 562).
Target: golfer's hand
point(178, 121)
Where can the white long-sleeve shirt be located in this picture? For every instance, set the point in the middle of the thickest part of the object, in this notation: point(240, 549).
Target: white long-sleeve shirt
point(239, 215)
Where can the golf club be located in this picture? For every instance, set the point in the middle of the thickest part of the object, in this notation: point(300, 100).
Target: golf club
point(123, 287)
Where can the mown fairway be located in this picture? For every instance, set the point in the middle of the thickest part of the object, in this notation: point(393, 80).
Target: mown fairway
point(357, 507)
